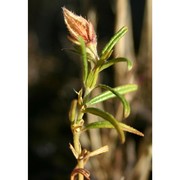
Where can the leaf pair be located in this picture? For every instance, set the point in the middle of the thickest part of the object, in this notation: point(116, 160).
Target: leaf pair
point(102, 64)
point(110, 122)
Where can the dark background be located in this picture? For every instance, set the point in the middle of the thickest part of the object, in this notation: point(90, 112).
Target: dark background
point(53, 74)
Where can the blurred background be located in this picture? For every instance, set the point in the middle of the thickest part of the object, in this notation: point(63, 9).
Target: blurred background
point(53, 73)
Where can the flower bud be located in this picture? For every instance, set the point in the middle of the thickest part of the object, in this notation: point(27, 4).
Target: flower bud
point(80, 27)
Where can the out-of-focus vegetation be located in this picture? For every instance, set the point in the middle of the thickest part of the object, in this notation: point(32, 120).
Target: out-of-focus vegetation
point(54, 72)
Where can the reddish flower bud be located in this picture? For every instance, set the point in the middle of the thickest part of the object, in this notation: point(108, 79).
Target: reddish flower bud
point(78, 26)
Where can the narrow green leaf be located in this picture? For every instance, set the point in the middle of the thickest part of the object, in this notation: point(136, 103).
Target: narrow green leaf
point(84, 59)
point(116, 60)
point(121, 97)
point(113, 41)
point(108, 94)
point(92, 78)
point(108, 117)
point(107, 124)
point(130, 129)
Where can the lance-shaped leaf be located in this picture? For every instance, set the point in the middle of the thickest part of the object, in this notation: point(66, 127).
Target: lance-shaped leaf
point(113, 41)
point(116, 60)
point(107, 124)
point(108, 117)
point(108, 94)
point(121, 97)
point(84, 58)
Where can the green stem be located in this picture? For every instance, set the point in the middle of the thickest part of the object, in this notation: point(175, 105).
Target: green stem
point(77, 146)
point(76, 129)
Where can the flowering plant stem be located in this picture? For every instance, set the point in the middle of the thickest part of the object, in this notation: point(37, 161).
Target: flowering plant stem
point(83, 36)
